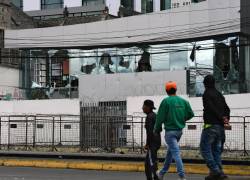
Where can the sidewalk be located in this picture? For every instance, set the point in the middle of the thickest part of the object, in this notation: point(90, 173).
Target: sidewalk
point(108, 165)
point(107, 157)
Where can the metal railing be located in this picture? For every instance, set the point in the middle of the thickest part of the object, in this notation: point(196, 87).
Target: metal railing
point(40, 131)
point(71, 14)
point(104, 133)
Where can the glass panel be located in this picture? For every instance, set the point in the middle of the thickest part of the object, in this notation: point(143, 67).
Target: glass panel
point(147, 6)
point(85, 2)
point(51, 4)
point(126, 60)
point(107, 61)
point(83, 62)
point(128, 4)
point(165, 4)
point(18, 3)
point(160, 58)
point(247, 66)
point(227, 65)
point(223, 57)
point(178, 57)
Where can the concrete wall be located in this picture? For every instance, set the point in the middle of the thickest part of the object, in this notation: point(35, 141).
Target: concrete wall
point(70, 3)
point(9, 80)
point(209, 17)
point(31, 5)
point(117, 87)
point(238, 104)
point(60, 106)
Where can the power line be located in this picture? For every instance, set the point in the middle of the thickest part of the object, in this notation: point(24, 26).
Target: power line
point(126, 36)
point(231, 27)
point(125, 55)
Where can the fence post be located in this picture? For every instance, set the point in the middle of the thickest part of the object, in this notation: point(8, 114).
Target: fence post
point(60, 130)
point(8, 146)
point(34, 132)
point(244, 136)
point(141, 135)
point(0, 133)
point(26, 132)
point(53, 133)
point(81, 127)
point(133, 136)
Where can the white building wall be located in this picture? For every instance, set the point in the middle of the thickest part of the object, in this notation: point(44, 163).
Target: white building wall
point(117, 87)
point(31, 5)
point(137, 5)
point(9, 81)
point(239, 107)
point(180, 3)
point(9, 77)
point(32, 107)
point(237, 103)
point(74, 3)
point(113, 6)
point(157, 5)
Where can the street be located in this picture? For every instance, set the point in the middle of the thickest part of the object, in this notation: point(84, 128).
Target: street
point(17, 173)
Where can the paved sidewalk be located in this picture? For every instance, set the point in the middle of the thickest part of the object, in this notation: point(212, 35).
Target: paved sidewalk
point(21, 173)
point(121, 166)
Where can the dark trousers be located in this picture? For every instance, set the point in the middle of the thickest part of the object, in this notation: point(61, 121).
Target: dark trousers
point(212, 140)
point(151, 163)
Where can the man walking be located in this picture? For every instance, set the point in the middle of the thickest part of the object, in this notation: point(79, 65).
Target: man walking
point(174, 111)
point(216, 116)
point(153, 141)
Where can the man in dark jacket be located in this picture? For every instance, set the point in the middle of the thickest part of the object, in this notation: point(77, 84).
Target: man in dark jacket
point(153, 141)
point(216, 116)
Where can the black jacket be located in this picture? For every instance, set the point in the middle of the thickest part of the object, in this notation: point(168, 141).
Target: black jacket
point(152, 139)
point(215, 107)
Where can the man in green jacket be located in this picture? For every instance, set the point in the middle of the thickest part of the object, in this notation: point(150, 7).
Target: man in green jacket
point(174, 111)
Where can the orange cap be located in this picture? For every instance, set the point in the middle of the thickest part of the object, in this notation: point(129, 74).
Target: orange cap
point(170, 85)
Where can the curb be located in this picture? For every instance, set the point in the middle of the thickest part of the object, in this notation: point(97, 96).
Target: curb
point(115, 166)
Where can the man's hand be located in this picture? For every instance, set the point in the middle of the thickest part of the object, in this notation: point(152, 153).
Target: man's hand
point(226, 123)
point(146, 147)
point(225, 120)
point(156, 133)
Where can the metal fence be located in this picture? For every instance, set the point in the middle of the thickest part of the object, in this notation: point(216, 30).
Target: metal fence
point(95, 132)
point(26, 132)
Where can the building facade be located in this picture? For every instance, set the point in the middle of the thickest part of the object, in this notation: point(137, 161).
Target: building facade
point(141, 6)
point(110, 54)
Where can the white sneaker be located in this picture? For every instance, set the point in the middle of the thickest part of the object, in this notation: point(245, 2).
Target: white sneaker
point(160, 176)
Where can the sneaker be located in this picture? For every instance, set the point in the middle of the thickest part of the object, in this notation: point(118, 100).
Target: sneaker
point(224, 176)
point(160, 176)
point(183, 178)
point(216, 177)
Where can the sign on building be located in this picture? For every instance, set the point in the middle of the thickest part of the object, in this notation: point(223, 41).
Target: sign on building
point(180, 3)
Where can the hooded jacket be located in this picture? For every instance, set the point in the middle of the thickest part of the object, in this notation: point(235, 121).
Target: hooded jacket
point(215, 106)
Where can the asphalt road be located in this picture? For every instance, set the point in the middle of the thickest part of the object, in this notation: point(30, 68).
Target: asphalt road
point(13, 173)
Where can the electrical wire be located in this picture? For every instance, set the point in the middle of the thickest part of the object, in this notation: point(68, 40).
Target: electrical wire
point(125, 55)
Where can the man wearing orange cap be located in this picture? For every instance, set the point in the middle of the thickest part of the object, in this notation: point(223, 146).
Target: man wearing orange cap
point(173, 112)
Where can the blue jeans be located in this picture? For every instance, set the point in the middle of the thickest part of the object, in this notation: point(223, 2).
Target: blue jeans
point(172, 138)
point(211, 144)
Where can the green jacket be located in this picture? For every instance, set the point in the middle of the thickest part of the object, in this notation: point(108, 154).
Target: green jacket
point(174, 111)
